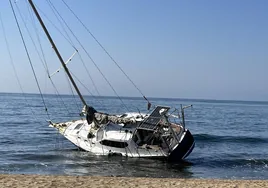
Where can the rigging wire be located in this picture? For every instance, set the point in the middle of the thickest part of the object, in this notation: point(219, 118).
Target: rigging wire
point(54, 12)
point(44, 62)
point(27, 29)
point(69, 84)
point(72, 91)
point(38, 39)
point(70, 41)
point(13, 66)
point(86, 88)
point(105, 51)
point(55, 27)
point(81, 59)
point(29, 59)
point(94, 62)
point(92, 81)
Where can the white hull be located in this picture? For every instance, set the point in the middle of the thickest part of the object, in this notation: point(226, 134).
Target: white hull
point(116, 139)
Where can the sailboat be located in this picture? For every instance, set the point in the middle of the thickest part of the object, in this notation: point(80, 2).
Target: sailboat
point(151, 135)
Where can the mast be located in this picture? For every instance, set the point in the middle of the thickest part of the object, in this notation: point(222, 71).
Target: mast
point(57, 52)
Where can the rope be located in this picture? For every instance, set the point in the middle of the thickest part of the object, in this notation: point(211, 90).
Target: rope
point(29, 59)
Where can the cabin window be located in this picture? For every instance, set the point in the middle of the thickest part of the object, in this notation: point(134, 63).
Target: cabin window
point(114, 143)
point(146, 137)
point(78, 126)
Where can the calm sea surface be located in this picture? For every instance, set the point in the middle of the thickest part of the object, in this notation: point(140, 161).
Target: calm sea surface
point(231, 139)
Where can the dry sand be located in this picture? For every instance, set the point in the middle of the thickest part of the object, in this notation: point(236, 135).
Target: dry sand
point(25, 181)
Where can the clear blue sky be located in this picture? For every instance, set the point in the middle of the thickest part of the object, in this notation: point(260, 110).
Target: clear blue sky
point(208, 49)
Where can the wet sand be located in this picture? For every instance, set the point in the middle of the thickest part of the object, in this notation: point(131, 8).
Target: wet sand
point(25, 181)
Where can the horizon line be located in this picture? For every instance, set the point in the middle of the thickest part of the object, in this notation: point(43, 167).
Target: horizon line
point(137, 97)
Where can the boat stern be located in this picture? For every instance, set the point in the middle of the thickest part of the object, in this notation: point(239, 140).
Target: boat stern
point(184, 148)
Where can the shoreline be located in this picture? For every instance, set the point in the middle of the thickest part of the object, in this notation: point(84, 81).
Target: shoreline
point(25, 181)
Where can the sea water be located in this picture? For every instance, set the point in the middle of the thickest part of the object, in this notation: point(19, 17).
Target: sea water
point(231, 139)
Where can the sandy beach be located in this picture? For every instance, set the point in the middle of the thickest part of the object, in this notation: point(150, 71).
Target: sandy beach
point(40, 181)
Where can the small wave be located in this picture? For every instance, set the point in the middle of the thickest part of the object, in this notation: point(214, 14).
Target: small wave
point(40, 157)
point(231, 163)
point(236, 139)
